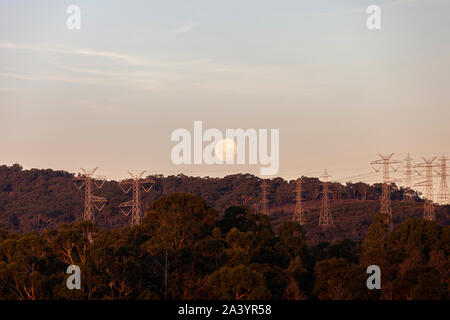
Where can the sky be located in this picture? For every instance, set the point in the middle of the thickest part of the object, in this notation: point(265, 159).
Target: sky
point(111, 93)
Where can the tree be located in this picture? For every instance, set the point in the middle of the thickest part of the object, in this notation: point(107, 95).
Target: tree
point(238, 283)
point(175, 224)
point(179, 220)
point(24, 265)
point(337, 279)
point(416, 235)
point(419, 283)
point(292, 242)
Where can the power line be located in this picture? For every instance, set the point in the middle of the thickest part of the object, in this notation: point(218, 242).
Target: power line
point(299, 215)
point(408, 171)
point(365, 175)
point(387, 163)
point(428, 210)
point(325, 218)
point(443, 187)
point(135, 184)
point(264, 199)
point(91, 202)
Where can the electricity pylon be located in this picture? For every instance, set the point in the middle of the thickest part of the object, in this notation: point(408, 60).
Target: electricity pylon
point(428, 210)
point(387, 163)
point(325, 218)
point(408, 171)
point(91, 202)
point(443, 187)
point(245, 200)
point(264, 199)
point(135, 184)
point(299, 215)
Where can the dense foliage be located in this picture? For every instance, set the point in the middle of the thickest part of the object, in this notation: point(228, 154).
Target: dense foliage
point(35, 200)
point(183, 249)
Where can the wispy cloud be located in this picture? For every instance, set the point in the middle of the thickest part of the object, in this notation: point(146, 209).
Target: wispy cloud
point(125, 58)
point(186, 28)
point(161, 75)
point(62, 50)
point(9, 89)
point(44, 77)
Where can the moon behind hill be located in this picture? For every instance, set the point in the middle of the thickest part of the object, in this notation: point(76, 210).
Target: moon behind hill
point(225, 150)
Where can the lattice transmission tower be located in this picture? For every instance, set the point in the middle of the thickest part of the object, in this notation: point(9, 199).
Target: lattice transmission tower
point(325, 218)
point(86, 180)
point(408, 171)
point(264, 200)
point(299, 214)
point(443, 186)
point(428, 165)
point(134, 206)
point(387, 163)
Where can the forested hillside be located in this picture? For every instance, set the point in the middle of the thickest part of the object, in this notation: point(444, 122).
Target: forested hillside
point(184, 250)
point(35, 200)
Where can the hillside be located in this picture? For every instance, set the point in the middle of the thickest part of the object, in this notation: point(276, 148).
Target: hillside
point(35, 200)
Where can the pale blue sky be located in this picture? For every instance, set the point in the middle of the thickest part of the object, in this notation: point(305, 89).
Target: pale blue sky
point(110, 94)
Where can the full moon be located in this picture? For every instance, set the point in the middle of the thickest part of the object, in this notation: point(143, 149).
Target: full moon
point(225, 150)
